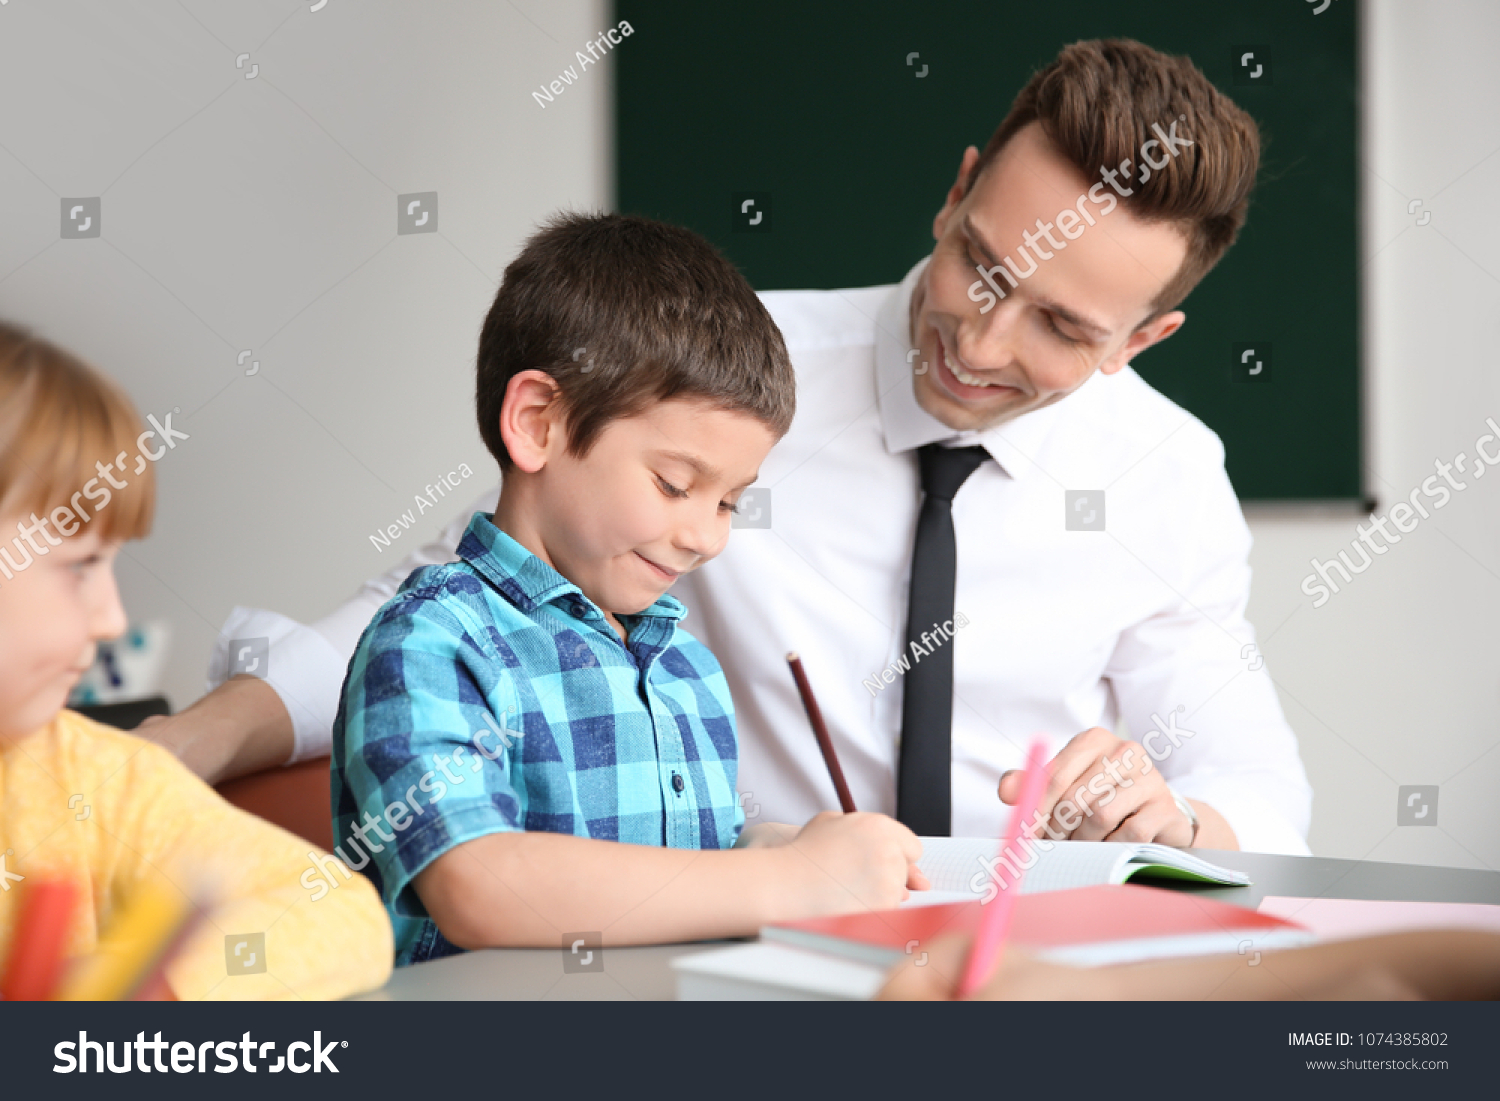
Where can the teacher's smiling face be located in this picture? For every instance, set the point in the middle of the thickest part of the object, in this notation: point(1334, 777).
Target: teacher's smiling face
point(1084, 306)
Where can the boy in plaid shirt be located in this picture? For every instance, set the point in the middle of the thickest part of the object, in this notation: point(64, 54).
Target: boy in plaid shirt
point(528, 742)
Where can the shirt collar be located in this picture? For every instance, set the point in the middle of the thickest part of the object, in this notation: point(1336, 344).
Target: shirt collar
point(529, 583)
point(1014, 445)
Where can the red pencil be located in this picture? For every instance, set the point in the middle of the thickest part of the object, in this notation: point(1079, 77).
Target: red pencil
point(36, 949)
point(815, 717)
point(989, 939)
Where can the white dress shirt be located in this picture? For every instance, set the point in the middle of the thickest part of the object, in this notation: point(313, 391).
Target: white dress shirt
point(1141, 623)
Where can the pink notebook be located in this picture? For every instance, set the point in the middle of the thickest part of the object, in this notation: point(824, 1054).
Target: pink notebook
point(1085, 926)
point(1342, 918)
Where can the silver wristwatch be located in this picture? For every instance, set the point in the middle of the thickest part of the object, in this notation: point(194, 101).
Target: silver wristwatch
point(1187, 812)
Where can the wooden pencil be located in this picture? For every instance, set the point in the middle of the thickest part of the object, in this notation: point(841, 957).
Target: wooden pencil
point(820, 731)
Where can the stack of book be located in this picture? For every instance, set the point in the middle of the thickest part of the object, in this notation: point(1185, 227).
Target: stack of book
point(1078, 907)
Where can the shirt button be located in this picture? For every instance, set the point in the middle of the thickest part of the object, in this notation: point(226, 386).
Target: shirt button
point(678, 783)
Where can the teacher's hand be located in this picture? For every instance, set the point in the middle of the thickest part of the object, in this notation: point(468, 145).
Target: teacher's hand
point(1105, 788)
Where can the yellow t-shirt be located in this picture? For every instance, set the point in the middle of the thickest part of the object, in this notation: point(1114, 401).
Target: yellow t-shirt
point(109, 810)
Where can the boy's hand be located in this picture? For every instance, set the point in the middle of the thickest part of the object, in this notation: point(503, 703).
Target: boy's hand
point(766, 835)
point(856, 861)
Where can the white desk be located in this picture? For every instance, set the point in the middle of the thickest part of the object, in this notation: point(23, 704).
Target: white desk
point(644, 974)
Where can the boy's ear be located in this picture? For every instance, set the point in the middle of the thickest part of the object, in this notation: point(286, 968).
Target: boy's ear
point(530, 422)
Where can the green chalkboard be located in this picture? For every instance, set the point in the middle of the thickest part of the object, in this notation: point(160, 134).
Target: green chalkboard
point(814, 109)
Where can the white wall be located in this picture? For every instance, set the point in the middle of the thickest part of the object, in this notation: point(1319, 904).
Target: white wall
point(1396, 679)
point(260, 214)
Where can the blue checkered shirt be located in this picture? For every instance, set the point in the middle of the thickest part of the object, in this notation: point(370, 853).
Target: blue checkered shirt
point(491, 695)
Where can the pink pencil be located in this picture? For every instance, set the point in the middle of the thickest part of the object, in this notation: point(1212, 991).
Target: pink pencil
point(995, 921)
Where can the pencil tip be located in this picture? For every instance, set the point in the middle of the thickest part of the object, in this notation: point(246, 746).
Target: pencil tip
point(791, 655)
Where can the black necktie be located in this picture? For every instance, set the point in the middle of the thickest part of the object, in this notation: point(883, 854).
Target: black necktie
point(924, 778)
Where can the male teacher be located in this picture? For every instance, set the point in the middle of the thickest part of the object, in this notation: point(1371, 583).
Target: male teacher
point(982, 525)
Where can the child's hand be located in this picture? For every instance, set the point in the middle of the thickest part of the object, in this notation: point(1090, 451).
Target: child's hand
point(766, 835)
point(847, 862)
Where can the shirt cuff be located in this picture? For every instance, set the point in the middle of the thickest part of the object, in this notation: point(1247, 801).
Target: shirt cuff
point(299, 664)
point(1258, 825)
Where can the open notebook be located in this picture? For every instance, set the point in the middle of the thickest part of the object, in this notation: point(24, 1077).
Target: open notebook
point(959, 866)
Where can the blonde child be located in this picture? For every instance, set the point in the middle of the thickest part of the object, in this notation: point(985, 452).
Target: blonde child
point(101, 808)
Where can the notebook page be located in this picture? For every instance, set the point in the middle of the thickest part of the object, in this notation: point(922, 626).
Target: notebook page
point(1152, 854)
point(952, 863)
point(949, 862)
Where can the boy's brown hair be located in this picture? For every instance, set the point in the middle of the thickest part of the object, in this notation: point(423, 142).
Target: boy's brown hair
point(622, 312)
point(58, 419)
point(1097, 102)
